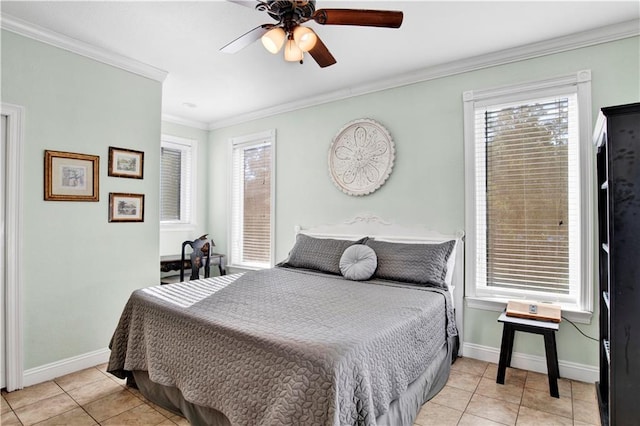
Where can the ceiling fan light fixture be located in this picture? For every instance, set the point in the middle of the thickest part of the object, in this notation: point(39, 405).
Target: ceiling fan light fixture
point(273, 40)
point(305, 38)
point(292, 53)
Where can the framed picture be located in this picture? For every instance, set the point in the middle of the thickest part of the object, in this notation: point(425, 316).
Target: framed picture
point(126, 207)
point(71, 177)
point(126, 163)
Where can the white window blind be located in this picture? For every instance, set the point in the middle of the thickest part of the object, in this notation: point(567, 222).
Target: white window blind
point(176, 180)
point(252, 203)
point(171, 172)
point(529, 178)
point(526, 169)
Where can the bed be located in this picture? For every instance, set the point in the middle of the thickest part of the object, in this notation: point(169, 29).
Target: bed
point(312, 341)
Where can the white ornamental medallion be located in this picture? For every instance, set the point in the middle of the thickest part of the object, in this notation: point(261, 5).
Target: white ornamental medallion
point(361, 157)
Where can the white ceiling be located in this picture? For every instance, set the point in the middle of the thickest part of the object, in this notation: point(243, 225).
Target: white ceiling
point(184, 38)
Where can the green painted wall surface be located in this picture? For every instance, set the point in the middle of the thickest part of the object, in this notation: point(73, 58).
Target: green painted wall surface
point(79, 269)
point(171, 238)
point(427, 184)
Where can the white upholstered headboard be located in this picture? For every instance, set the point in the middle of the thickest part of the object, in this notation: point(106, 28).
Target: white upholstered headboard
point(368, 225)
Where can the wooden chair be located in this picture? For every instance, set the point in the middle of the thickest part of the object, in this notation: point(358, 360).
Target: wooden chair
point(200, 256)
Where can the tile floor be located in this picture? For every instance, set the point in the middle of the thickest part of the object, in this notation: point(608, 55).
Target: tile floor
point(471, 397)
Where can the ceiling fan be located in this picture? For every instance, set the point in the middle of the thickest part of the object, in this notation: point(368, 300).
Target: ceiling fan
point(296, 38)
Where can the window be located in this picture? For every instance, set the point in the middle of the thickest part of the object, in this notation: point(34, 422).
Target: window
point(528, 192)
point(252, 200)
point(177, 182)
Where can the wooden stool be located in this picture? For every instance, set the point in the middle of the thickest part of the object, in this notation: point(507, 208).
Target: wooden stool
point(547, 329)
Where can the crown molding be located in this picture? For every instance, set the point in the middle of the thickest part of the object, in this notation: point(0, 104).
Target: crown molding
point(35, 32)
point(534, 50)
point(174, 119)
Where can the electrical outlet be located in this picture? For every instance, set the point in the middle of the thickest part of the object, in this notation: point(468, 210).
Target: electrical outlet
point(533, 309)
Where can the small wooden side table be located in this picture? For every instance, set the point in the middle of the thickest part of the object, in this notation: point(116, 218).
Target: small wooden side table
point(547, 329)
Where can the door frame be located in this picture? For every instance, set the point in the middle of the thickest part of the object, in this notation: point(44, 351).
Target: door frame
point(14, 359)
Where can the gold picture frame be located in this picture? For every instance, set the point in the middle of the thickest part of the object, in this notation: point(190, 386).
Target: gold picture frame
point(69, 176)
point(126, 163)
point(124, 207)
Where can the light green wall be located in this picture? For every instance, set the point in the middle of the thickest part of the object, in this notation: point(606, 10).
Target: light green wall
point(79, 269)
point(427, 184)
point(171, 239)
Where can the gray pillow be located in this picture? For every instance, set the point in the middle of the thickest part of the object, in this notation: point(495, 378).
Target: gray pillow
point(413, 263)
point(321, 254)
point(358, 262)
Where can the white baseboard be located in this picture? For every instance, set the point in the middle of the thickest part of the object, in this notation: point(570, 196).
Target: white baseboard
point(568, 370)
point(50, 371)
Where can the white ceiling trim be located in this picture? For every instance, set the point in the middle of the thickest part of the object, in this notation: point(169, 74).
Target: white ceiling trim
point(557, 45)
point(184, 122)
point(548, 47)
point(27, 29)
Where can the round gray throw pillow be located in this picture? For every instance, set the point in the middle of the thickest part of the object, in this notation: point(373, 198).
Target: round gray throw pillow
point(358, 262)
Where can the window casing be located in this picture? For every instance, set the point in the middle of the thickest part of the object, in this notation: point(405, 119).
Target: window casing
point(529, 214)
point(177, 181)
point(252, 201)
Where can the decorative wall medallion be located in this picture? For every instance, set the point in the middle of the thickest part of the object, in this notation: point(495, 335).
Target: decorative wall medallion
point(361, 157)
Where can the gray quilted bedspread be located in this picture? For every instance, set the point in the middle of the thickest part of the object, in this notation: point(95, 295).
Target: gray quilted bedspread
point(284, 347)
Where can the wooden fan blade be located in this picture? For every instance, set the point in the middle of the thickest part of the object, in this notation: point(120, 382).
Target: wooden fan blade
point(246, 39)
point(361, 17)
point(321, 54)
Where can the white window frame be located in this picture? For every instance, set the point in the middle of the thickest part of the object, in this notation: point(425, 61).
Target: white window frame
point(254, 140)
point(189, 174)
point(581, 308)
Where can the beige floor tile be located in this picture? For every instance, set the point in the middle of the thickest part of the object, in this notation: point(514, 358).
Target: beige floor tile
point(464, 381)
point(470, 365)
point(161, 410)
point(453, 398)
point(79, 378)
point(586, 411)
point(493, 409)
point(5, 406)
point(75, 417)
point(507, 392)
point(541, 400)
point(95, 390)
point(168, 414)
point(180, 421)
point(471, 420)
point(583, 391)
point(530, 417)
point(121, 382)
point(540, 382)
point(513, 376)
point(433, 414)
point(136, 392)
point(32, 394)
point(141, 415)
point(9, 419)
point(470, 397)
point(45, 409)
point(112, 405)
